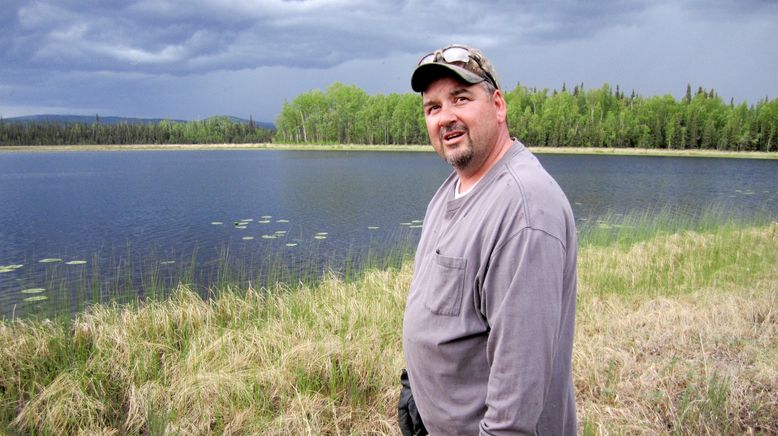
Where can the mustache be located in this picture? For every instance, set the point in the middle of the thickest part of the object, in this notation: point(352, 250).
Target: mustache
point(453, 128)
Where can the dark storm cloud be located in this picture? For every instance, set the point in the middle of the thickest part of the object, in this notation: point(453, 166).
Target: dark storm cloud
point(181, 37)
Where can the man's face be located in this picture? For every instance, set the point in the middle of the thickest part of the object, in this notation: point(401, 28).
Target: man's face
point(462, 121)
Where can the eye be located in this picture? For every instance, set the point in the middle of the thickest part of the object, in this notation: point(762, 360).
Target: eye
point(461, 99)
point(432, 109)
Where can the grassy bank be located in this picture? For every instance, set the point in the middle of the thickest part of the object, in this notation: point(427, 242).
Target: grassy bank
point(677, 333)
point(364, 147)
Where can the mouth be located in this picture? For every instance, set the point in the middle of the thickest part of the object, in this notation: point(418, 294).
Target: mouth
point(453, 135)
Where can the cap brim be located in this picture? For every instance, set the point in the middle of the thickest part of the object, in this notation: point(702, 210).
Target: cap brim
point(425, 74)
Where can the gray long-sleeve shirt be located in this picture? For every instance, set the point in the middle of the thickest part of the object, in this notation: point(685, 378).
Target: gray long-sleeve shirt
point(488, 327)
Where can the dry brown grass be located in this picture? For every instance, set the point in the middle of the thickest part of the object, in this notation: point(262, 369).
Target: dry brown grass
point(700, 363)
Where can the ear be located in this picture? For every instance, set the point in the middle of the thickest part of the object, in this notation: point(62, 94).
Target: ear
point(500, 106)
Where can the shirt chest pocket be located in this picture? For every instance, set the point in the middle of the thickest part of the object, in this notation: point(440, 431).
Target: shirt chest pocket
point(445, 284)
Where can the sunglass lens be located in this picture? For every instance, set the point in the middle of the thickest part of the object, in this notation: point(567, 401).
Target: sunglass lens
point(427, 59)
point(456, 54)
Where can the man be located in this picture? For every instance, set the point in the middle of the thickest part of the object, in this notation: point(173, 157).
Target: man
point(488, 327)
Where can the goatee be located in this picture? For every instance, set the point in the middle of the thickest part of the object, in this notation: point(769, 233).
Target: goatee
point(458, 159)
point(461, 160)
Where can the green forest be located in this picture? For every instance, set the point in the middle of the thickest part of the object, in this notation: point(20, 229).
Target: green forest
point(215, 130)
point(600, 117)
point(346, 114)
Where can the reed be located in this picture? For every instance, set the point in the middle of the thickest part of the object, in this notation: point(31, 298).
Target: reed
point(131, 279)
point(677, 334)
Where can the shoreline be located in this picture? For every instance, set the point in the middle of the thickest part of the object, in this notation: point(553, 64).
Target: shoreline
point(385, 148)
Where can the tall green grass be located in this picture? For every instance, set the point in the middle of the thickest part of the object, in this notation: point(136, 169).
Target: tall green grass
point(650, 252)
point(625, 229)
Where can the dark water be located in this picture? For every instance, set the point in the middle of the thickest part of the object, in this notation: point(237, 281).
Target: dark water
point(140, 216)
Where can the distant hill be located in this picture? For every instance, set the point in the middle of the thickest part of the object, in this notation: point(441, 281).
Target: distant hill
point(84, 119)
point(89, 119)
point(262, 124)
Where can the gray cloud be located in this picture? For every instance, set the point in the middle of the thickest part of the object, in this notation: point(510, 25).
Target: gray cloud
point(727, 10)
point(149, 57)
point(182, 37)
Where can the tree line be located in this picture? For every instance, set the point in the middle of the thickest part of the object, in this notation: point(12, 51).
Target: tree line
point(214, 130)
point(601, 117)
point(345, 114)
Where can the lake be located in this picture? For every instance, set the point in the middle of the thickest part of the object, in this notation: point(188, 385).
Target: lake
point(141, 220)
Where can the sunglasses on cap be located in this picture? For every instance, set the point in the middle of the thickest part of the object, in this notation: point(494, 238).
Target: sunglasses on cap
point(456, 53)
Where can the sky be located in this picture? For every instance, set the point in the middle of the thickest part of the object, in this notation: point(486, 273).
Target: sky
point(191, 59)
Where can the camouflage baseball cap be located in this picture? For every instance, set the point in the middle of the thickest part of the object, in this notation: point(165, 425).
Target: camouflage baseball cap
point(467, 63)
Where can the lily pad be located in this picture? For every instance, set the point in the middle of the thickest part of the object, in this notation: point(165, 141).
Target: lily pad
point(75, 262)
point(9, 268)
point(50, 260)
point(33, 290)
point(36, 298)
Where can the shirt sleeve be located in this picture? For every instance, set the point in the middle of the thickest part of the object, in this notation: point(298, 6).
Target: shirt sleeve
point(521, 299)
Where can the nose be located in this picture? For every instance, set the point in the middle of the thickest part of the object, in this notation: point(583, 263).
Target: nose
point(446, 116)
